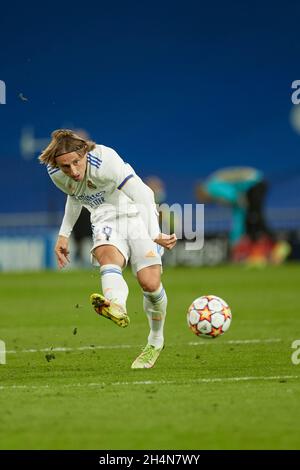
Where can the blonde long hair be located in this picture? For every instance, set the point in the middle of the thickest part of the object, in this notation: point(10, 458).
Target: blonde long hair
point(64, 141)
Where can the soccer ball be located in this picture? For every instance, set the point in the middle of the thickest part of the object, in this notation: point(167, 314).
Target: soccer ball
point(209, 316)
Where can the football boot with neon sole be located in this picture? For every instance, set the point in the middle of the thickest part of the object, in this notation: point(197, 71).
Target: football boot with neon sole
point(147, 358)
point(110, 310)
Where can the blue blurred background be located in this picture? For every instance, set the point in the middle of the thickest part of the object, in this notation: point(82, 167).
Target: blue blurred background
point(179, 89)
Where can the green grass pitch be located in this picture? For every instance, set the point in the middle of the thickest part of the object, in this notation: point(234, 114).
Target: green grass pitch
point(239, 391)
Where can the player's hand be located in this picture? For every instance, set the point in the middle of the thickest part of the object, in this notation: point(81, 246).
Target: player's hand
point(61, 251)
point(167, 241)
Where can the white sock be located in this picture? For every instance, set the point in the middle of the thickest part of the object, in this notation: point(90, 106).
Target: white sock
point(114, 287)
point(155, 306)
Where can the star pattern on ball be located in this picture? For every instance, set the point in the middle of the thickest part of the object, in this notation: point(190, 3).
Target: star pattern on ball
point(226, 312)
point(216, 331)
point(205, 314)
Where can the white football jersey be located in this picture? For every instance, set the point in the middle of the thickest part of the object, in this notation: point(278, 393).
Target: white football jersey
point(105, 190)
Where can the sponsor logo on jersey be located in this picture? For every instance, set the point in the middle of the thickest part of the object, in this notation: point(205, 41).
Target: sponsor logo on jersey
point(92, 200)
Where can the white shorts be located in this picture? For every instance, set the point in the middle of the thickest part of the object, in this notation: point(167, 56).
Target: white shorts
point(129, 235)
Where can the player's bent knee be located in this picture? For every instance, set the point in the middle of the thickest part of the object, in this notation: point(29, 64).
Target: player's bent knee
point(149, 278)
point(150, 285)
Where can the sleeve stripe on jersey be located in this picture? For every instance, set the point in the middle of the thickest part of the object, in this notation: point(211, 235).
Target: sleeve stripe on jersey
point(92, 162)
point(94, 159)
point(53, 170)
point(125, 181)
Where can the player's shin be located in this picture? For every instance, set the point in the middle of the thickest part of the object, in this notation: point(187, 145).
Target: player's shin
point(114, 287)
point(155, 306)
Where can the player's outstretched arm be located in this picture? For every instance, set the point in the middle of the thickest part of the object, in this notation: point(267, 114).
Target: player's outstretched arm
point(72, 212)
point(167, 241)
point(62, 251)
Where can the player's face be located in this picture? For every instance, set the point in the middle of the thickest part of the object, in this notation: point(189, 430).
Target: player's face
point(72, 165)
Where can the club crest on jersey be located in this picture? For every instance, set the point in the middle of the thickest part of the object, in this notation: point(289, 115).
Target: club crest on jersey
point(91, 185)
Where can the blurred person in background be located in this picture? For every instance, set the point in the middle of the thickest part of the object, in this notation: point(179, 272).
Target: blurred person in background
point(244, 190)
point(125, 226)
point(158, 187)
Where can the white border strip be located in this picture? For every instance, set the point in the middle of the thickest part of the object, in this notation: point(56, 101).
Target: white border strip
point(128, 346)
point(238, 341)
point(150, 382)
point(65, 349)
